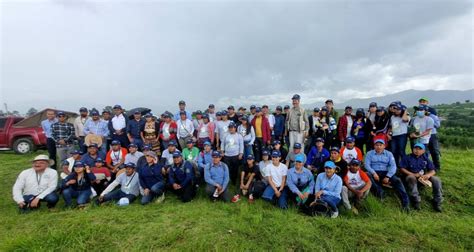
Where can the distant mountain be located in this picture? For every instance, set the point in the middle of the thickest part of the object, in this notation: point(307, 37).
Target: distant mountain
point(410, 98)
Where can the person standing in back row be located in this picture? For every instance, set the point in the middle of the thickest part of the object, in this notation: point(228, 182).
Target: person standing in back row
point(297, 124)
point(46, 125)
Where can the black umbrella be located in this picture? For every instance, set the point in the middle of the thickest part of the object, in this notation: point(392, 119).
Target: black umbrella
point(142, 111)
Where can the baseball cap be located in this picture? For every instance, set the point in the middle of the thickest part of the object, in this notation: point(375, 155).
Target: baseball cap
point(330, 164)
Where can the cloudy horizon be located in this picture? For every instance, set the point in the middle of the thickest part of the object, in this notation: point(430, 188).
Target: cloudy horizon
point(68, 54)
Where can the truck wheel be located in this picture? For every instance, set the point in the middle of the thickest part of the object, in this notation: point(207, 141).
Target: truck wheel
point(23, 146)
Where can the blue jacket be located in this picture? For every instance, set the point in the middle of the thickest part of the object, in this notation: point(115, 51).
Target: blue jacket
point(279, 127)
point(134, 127)
point(204, 159)
point(149, 175)
point(416, 164)
point(217, 174)
point(299, 181)
point(332, 186)
point(181, 175)
point(89, 161)
point(316, 158)
point(86, 183)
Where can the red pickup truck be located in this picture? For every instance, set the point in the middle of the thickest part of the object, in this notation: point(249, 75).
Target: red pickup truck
point(24, 135)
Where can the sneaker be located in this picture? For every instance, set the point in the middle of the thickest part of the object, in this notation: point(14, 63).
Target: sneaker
point(334, 214)
point(236, 198)
point(437, 207)
point(160, 199)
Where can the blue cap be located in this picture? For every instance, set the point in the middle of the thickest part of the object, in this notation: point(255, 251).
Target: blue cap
point(275, 142)
point(232, 124)
point(250, 157)
point(279, 108)
point(379, 141)
point(350, 140)
point(330, 164)
point(296, 97)
point(253, 107)
point(198, 112)
point(172, 142)
point(422, 107)
point(258, 109)
point(218, 113)
point(132, 145)
point(211, 106)
point(324, 108)
point(137, 112)
point(348, 107)
point(148, 115)
point(231, 107)
point(94, 113)
point(182, 112)
point(83, 109)
point(189, 141)
point(265, 153)
point(76, 152)
point(60, 113)
point(182, 102)
point(244, 118)
point(419, 145)
point(297, 146)
point(130, 165)
point(372, 104)
point(276, 153)
point(93, 145)
point(319, 139)
point(78, 164)
point(176, 154)
point(205, 116)
point(207, 143)
point(299, 158)
point(380, 108)
point(316, 109)
point(354, 162)
point(335, 148)
point(99, 160)
point(117, 107)
point(216, 154)
point(286, 107)
point(115, 142)
point(329, 100)
point(147, 147)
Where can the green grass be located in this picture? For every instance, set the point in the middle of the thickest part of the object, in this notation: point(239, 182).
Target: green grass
point(202, 225)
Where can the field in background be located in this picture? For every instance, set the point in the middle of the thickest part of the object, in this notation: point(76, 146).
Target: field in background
point(202, 225)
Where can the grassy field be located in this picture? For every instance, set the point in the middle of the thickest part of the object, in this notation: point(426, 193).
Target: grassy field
point(202, 225)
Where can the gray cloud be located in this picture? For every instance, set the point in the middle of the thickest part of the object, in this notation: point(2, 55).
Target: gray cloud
point(67, 54)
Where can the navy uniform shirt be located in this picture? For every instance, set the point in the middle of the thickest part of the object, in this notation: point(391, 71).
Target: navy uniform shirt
point(182, 175)
point(134, 127)
point(416, 164)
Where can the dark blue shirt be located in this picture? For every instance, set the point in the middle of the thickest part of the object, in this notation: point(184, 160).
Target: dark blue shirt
point(316, 158)
point(150, 175)
point(89, 161)
point(279, 127)
point(416, 164)
point(134, 127)
point(182, 175)
point(80, 185)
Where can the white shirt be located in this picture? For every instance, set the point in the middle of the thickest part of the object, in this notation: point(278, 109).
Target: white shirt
point(79, 123)
point(277, 172)
point(349, 124)
point(349, 155)
point(271, 120)
point(118, 122)
point(354, 180)
point(31, 183)
point(185, 128)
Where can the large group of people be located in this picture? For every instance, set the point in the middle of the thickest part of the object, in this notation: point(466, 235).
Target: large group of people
point(317, 162)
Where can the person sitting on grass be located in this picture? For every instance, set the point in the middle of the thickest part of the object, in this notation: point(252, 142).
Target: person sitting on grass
point(276, 190)
point(350, 151)
point(300, 181)
point(246, 179)
point(417, 169)
point(102, 176)
point(92, 154)
point(265, 159)
point(356, 186)
point(151, 179)
point(205, 157)
point(297, 151)
point(129, 187)
point(115, 158)
point(380, 164)
point(216, 176)
point(328, 188)
point(36, 184)
point(181, 177)
point(68, 164)
point(78, 185)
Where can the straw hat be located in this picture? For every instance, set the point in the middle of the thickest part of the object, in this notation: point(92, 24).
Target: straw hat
point(92, 138)
point(43, 158)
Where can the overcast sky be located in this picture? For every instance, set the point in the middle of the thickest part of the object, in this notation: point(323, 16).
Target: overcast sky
point(67, 54)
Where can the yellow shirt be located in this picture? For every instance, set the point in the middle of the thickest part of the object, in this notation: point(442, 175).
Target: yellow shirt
point(258, 127)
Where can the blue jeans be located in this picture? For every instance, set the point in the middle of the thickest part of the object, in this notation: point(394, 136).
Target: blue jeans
point(82, 196)
point(396, 183)
point(117, 195)
point(50, 199)
point(269, 195)
point(248, 150)
point(433, 147)
point(332, 201)
point(155, 191)
point(398, 146)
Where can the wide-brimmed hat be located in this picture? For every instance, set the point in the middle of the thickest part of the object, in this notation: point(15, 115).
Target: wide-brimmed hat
point(43, 157)
point(92, 138)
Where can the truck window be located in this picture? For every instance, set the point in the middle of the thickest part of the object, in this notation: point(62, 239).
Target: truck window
point(2, 122)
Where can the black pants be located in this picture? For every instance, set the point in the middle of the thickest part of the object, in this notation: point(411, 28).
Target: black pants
point(359, 143)
point(185, 194)
point(233, 163)
point(257, 149)
point(51, 145)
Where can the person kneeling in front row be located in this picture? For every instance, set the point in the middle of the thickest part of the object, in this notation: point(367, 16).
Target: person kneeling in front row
point(129, 187)
point(216, 175)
